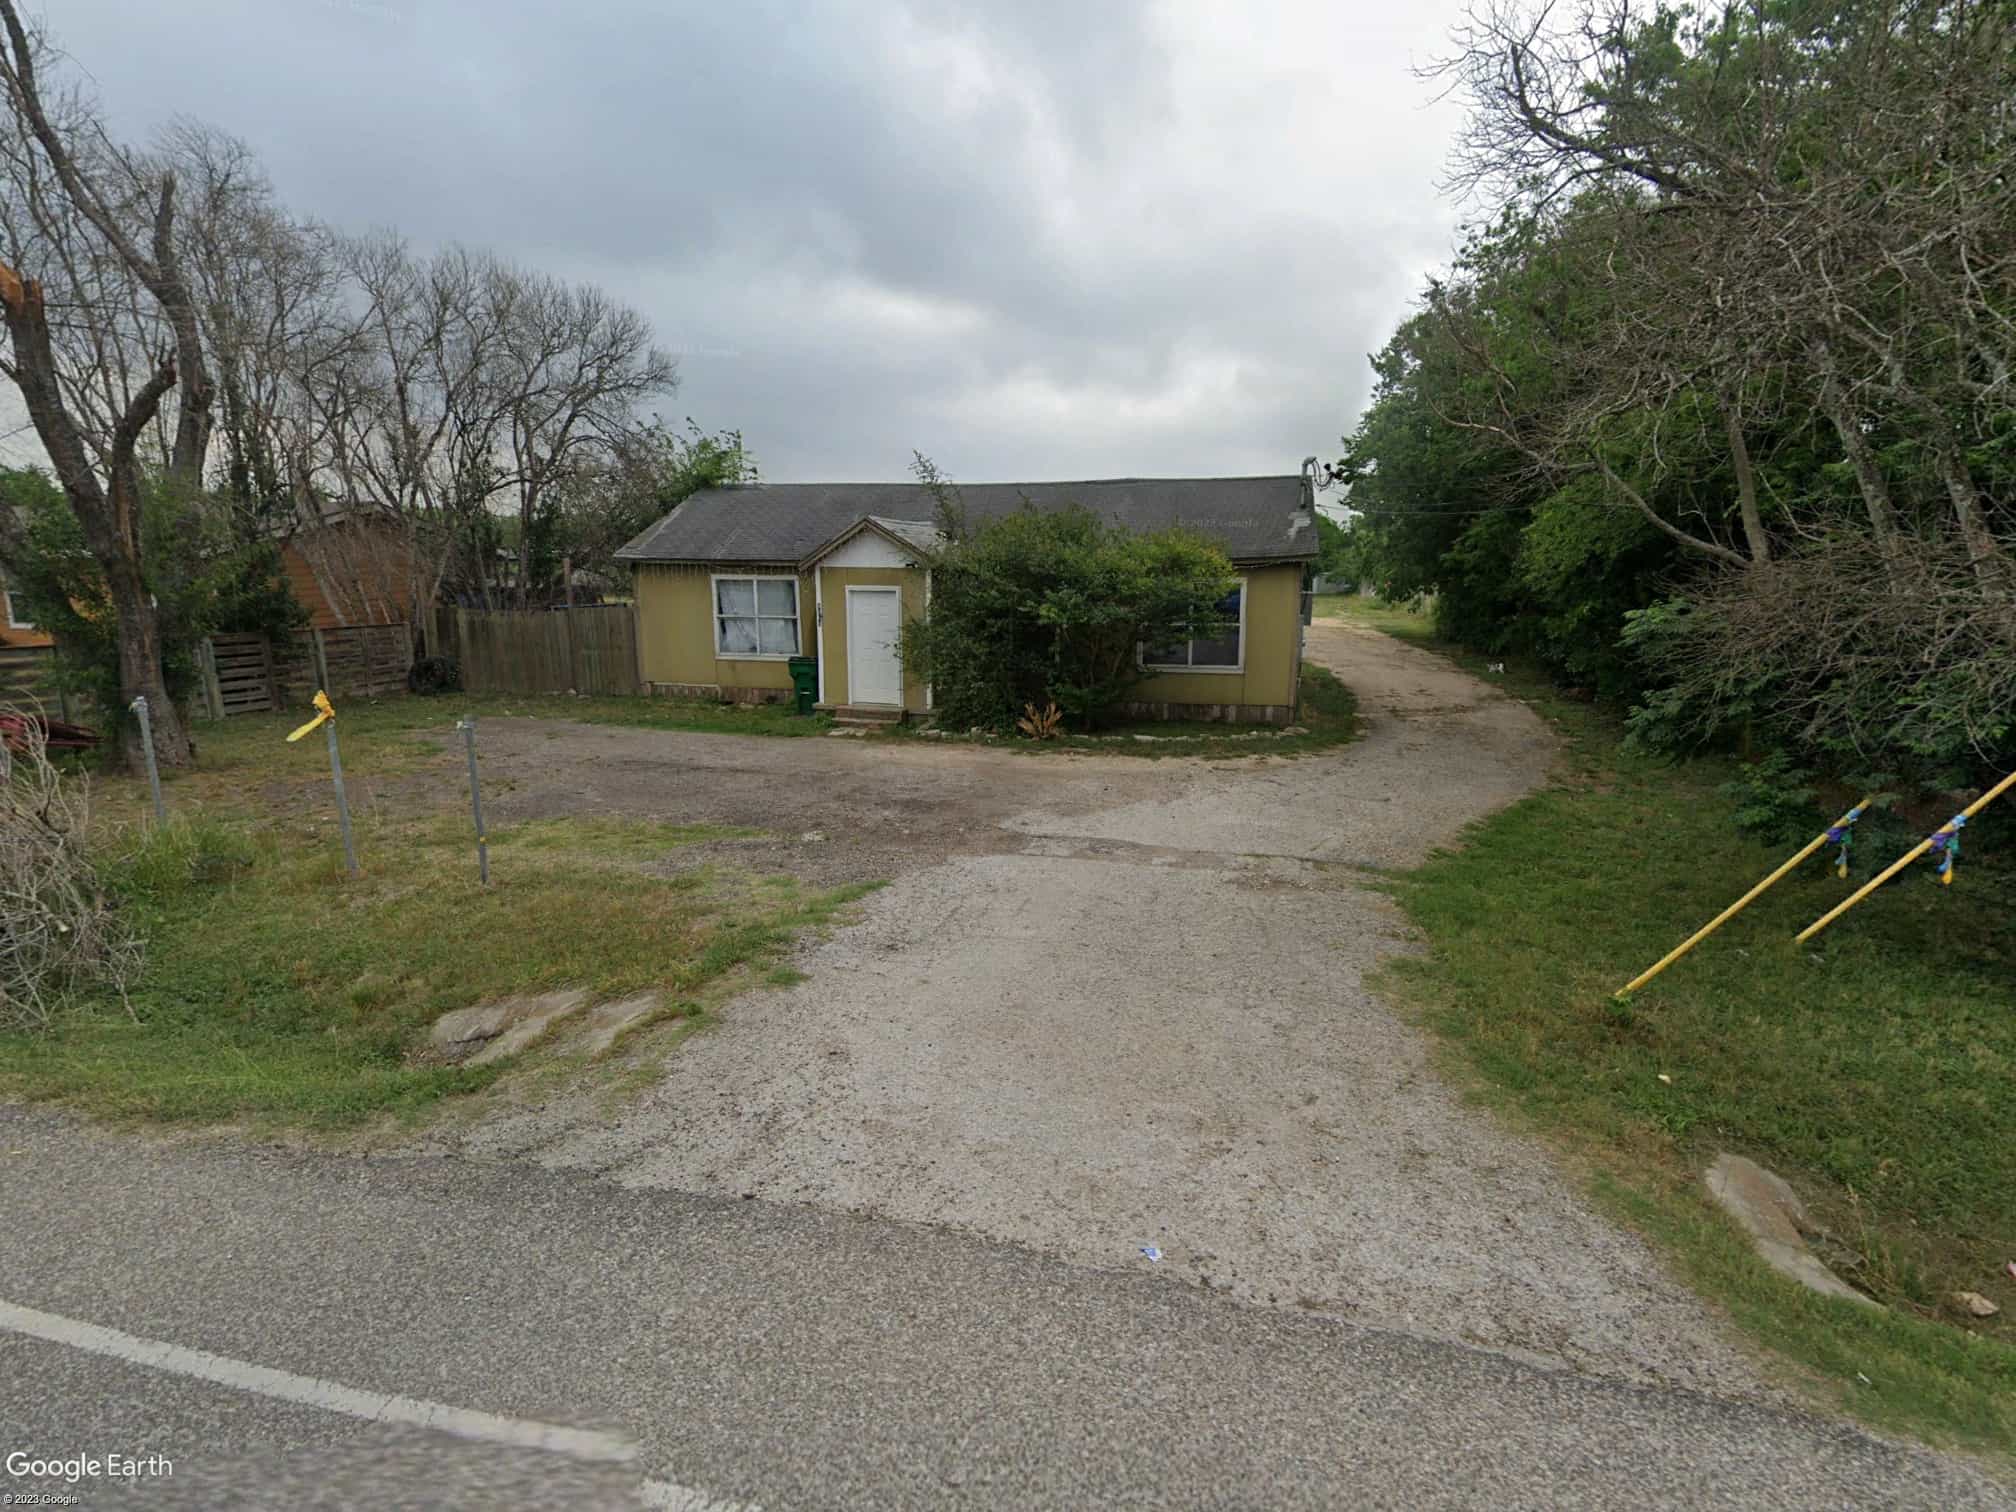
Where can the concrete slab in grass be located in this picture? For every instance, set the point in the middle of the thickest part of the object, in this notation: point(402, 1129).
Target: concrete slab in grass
point(606, 1022)
point(491, 1031)
point(1774, 1217)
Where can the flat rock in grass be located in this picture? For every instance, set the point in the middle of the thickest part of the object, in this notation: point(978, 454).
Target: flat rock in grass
point(465, 1028)
point(1773, 1216)
point(607, 1021)
point(490, 1031)
point(1975, 1304)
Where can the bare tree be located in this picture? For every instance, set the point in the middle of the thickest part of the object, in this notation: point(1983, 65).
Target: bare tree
point(274, 315)
point(172, 325)
point(469, 383)
point(576, 368)
point(97, 226)
point(408, 419)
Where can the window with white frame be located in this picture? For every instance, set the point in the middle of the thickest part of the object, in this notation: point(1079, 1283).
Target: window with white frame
point(17, 618)
point(1217, 640)
point(756, 616)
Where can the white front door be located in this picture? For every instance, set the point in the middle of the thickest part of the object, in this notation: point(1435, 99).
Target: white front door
point(874, 669)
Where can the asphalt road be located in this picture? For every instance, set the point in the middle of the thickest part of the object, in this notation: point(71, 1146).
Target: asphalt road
point(752, 1354)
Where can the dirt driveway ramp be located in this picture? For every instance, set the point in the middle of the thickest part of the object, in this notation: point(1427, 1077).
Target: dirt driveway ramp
point(1142, 1022)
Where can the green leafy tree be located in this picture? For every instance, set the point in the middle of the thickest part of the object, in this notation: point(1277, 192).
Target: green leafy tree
point(202, 576)
point(614, 497)
point(1715, 413)
point(1335, 554)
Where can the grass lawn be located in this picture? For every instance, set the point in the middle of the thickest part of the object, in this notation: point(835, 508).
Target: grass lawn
point(227, 744)
point(279, 989)
point(1328, 717)
point(1875, 1068)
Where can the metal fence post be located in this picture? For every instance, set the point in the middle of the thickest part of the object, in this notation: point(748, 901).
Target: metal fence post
point(342, 801)
point(468, 729)
point(139, 707)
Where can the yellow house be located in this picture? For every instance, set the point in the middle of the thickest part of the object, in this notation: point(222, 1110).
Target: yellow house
point(738, 581)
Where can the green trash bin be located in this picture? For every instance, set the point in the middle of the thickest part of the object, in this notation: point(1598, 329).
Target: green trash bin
point(805, 681)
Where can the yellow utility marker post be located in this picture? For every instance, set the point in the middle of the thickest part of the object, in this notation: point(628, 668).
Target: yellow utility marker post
point(1836, 833)
point(325, 714)
point(1946, 838)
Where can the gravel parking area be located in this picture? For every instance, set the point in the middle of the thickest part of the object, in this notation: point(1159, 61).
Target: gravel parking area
point(1112, 1009)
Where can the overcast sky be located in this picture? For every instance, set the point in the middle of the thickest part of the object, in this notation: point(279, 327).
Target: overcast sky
point(1033, 238)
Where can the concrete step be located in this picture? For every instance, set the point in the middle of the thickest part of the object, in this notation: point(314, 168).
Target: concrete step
point(866, 715)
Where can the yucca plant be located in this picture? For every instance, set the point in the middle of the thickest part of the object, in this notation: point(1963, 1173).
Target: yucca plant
point(1040, 724)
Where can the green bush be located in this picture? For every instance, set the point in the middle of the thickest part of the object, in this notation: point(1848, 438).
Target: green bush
point(1774, 801)
point(208, 570)
point(1042, 606)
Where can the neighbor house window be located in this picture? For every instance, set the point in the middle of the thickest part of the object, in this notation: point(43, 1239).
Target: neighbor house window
point(1217, 642)
point(17, 619)
point(756, 616)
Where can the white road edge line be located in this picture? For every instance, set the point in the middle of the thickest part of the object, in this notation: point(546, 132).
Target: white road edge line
point(370, 1406)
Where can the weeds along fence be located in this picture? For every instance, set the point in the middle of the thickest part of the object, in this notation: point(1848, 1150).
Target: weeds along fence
point(590, 650)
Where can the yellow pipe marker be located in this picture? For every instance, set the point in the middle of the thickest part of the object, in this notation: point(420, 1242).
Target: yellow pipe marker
point(1904, 860)
point(1741, 903)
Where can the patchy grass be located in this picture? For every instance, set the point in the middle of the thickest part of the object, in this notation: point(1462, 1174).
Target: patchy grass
point(245, 759)
point(1872, 1068)
point(278, 989)
point(1328, 717)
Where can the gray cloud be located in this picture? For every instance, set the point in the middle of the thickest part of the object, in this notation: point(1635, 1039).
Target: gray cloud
point(1032, 238)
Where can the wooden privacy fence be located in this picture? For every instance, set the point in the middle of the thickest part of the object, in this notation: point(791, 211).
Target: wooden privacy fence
point(360, 661)
point(238, 674)
point(540, 650)
point(243, 674)
point(589, 650)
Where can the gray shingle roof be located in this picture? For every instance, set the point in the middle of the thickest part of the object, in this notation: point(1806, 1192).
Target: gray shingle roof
point(916, 532)
point(1253, 519)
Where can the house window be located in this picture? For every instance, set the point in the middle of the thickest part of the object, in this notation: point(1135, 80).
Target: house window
point(1217, 642)
point(17, 619)
point(756, 617)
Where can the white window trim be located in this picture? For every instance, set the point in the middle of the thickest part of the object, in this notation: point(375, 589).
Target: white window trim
point(12, 622)
point(819, 626)
point(714, 579)
point(1179, 667)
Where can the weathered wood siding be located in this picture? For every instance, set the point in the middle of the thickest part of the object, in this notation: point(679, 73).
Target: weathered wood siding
point(24, 672)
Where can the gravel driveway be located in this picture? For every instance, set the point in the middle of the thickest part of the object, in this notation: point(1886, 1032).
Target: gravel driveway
point(1110, 1004)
